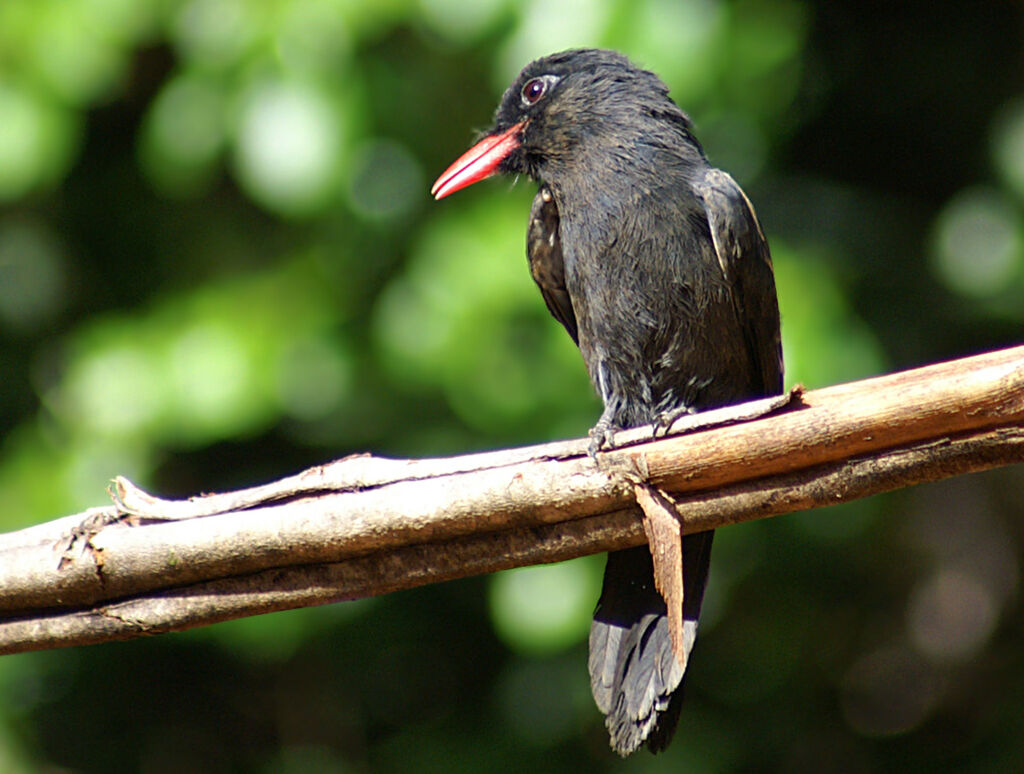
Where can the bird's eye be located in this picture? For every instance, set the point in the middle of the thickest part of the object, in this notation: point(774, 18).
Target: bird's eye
point(533, 90)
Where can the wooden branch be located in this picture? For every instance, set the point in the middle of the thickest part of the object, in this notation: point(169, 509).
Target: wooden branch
point(365, 525)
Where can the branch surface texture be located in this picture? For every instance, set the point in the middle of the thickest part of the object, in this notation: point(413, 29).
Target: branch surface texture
point(367, 525)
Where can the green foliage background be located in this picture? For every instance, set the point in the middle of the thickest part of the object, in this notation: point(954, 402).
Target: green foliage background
point(219, 264)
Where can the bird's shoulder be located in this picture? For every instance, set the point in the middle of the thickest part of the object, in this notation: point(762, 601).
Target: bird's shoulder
point(733, 224)
point(746, 264)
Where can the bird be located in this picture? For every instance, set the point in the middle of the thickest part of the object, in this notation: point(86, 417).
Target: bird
point(656, 265)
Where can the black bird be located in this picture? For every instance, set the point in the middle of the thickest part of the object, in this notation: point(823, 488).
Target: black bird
point(655, 263)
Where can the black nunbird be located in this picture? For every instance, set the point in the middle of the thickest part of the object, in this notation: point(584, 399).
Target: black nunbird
point(655, 264)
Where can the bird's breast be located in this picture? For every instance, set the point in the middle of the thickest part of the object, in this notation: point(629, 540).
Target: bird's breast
point(652, 312)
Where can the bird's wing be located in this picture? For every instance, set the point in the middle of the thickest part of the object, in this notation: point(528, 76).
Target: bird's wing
point(743, 255)
point(544, 249)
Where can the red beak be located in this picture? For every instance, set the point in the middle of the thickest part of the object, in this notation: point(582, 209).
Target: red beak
point(478, 163)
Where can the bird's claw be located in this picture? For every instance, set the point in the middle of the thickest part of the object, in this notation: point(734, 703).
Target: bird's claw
point(662, 424)
point(602, 436)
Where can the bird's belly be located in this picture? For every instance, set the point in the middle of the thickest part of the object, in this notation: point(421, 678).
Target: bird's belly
point(657, 326)
point(657, 358)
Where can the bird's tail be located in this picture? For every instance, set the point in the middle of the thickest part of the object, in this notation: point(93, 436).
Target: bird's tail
point(635, 676)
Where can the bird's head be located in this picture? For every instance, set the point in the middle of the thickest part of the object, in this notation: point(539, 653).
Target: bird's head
point(563, 108)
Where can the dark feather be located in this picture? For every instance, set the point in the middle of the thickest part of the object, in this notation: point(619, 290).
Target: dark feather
point(544, 250)
point(746, 263)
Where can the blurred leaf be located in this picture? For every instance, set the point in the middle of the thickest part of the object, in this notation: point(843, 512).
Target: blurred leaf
point(184, 133)
point(37, 140)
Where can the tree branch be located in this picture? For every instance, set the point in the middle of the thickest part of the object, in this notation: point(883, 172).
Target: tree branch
point(366, 525)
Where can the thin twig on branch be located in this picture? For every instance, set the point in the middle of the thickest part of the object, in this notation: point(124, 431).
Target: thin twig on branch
point(365, 525)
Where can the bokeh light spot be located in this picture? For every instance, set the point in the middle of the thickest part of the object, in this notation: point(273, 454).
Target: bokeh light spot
point(36, 140)
point(215, 33)
point(31, 274)
point(951, 615)
point(547, 608)
point(978, 243)
point(386, 180)
point(184, 133)
point(210, 374)
point(114, 390)
point(79, 67)
point(289, 146)
point(888, 692)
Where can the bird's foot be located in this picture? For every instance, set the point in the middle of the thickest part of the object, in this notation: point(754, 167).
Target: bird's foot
point(602, 436)
point(663, 422)
point(686, 420)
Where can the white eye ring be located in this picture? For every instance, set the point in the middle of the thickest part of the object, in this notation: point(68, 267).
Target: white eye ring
point(535, 89)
